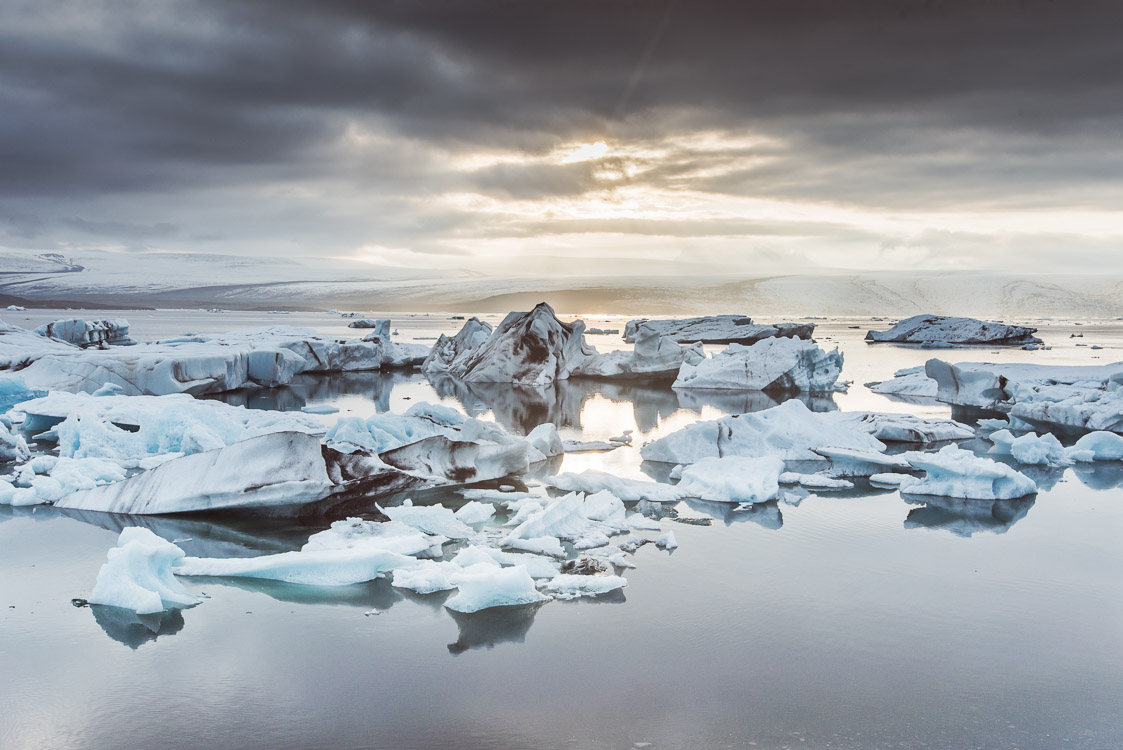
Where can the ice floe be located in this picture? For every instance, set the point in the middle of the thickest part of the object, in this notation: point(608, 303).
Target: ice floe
point(789, 431)
point(138, 575)
point(572, 586)
point(909, 383)
point(629, 490)
point(717, 329)
point(940, 329)
point(773, 364)
point(84, 333)
point(904, 428)
point(482, 586)
point(954, 472)
point(653, 355)
point(1044, 450)
point(732, 479)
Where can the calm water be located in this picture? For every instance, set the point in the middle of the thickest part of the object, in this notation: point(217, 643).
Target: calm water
point(853, 620)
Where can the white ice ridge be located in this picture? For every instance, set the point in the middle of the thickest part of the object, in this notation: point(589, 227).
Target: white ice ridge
point(954, 472)
point(717, 329)
point(789, 431)
point(12, 445)
point(447, 355)
point(48, 479)
point(904, 428)
point(940, 329)
point(1077, 397)
point(138, 575)
point(773, 364)
point(130, 429)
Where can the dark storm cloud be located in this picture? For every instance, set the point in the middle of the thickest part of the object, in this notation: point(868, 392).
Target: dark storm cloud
point(875, 103)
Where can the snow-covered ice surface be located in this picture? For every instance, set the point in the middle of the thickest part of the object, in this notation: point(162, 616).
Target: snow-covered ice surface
point(845, 584)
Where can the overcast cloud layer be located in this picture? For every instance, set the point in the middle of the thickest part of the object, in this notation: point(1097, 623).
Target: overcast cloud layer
point(767, 136)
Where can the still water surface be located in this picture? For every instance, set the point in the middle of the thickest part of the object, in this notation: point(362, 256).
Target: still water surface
point(853, 620)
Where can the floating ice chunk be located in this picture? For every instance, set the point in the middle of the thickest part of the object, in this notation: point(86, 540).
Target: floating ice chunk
point(381, 327)
point(589, 446)
point(281, 470)
point(12, 445)
point(640, 522)
point(911, 382)
point(533, 348)
point(1045, 450)
point(537, 565)
point(858, 463)
point(603, 506)
point(484, 586)
point(1101, 445)
point(383, 432)
point(319, 567)
point(905, 428)
point(954, 472)
point(539, 545)
point(138, 575)
point(921, 329)
point(390, 536)
point(88, 333)
point(128, 429)
point(441, 460)
point(789, 431)
point(545, 442)
point(889, 479)
point(774, 364)
point(717, 329)
point(815, 481)
point(667, 541)
point(432, 519)
point(652, 355)
point(320, 409)
point(628, 490)
point(474, 512)
point(17, 496)
point(732, 479)
point(569, 586)
point(426, 577)
point(563, 517)
point(449, 352)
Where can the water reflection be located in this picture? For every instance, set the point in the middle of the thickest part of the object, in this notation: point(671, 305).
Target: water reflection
point(763, 514)
point(490, 627)
point(1101, 475)
point(966, 517)
point(133, 630)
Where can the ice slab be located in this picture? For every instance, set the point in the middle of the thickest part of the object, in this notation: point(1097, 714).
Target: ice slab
point(774, 364)
point(954, 472)
point(717, 329)
point(940, 329)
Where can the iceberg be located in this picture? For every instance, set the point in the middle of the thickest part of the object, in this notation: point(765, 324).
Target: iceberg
point(1029, 448)
point(1098, 446)
point(381, 327)
point(652, 356)
point(431, 519)
point(909, 383)
point(732, 479)
point(128, 429)
point(138, 575)
point(718, 329)
point(484, 586)
point(572, 586)
point(532, 348)
point(20, 347)
point(628, 490)
point(448, 353)
point(954, 472)
point(940, 329)
point(789, 431)
point(847, 462)
point(904, 428)
point(774, 364)
point(327, 567)
point(277, 472)
point(83, 333)
point(12, 445)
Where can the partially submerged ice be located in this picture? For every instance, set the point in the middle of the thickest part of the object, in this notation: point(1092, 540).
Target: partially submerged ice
point(908, 383)
point(138, 575)
point(789, 431)
point(717, 329)
point(774, 364)
point(732, 479)
point(1044, 450)
point(652, 355)
point(941, 329)
point(954, 472)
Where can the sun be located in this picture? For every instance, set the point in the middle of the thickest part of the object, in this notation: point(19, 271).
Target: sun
point(583, 152)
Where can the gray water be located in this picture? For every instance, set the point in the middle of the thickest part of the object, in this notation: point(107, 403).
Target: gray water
point(853, 620)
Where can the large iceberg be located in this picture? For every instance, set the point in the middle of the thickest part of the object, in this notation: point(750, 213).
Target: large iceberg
point(774, 364)
point(940, 329)
point(1078, 398)
point(84, 333)
point(532, 348)
point(954, 472)
point(717, 329)
point(789, 431)
point(277, 472)
point(138, 575)
point(448, 354)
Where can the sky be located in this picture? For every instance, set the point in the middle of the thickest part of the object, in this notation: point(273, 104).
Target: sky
point(568, 137)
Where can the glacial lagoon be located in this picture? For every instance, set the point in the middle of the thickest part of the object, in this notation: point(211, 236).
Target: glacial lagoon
point(852, 619)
